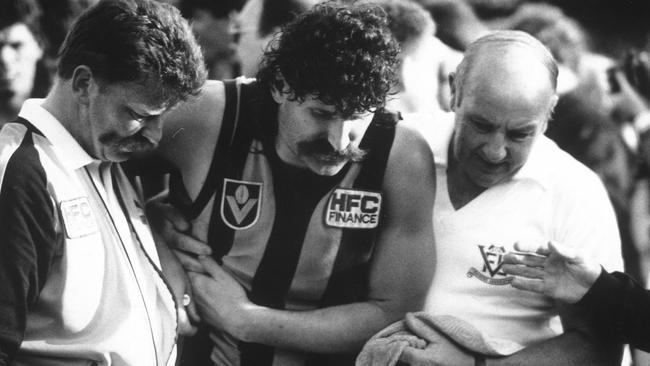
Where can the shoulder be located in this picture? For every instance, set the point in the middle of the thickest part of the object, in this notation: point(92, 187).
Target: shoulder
point(191, 129)
point(20, 163)
point(566, 174)
point(23, 179)
point(410, 150)
point(410, 170)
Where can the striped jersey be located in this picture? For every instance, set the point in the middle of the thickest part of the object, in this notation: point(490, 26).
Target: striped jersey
point(294, 240)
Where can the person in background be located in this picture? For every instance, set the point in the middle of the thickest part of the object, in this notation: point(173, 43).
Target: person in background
point(214, 25)
point(81, 281)
point(22, 75)
point(258, 21)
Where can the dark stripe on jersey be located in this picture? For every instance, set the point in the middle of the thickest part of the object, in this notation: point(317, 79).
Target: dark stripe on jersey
point(348, 282)
point(196, 350)
point(220, 235)
point(28, 242)
point(297, 193)
point(349, 279)
point(179, 196)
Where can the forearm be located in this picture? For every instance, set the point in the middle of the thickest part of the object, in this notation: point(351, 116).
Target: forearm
point(570, 348)
point(335, 329)
point(622, 305)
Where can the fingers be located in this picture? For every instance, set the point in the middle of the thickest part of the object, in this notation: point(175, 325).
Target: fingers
point(541, 249)
point(414, 357)
point(189, 262)
point(157, 210)
point(533, 260)
point(563, 252)
point(211, 266)
point(527, 284)
point(185, 242)
point(523, 271)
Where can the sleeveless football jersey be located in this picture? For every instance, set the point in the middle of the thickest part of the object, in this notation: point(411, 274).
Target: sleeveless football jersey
point(294, 240)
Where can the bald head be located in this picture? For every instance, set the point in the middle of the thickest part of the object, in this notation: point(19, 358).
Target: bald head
point(512, 60)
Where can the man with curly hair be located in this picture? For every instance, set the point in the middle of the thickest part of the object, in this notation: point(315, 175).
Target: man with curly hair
point(315, 206)
point(80, 276)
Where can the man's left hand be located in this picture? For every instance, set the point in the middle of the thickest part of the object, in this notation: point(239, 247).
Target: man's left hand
point(221, 300)
point(440, 351)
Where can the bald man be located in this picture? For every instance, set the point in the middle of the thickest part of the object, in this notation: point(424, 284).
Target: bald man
point(503, 182)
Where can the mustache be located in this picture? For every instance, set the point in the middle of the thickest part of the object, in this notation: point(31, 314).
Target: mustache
point(136, 142)
point(322, 150)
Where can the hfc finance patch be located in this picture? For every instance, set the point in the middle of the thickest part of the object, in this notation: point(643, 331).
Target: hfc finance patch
point(353, 209)
point(240, 203)
point(78, 218)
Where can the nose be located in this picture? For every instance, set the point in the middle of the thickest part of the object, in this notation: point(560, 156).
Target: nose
point(341, 134)
point(152, 130)
point(7, 55)
point(495, 149)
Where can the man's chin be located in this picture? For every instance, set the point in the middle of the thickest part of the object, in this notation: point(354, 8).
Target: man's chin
point(326, 169)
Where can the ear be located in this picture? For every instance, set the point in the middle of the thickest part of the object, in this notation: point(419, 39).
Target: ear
point(278, 95)
point(82, 79)
point(549, 115)
point(452, 91)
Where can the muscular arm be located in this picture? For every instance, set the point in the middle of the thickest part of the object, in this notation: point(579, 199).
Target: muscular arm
point(27, 244)
point(401, 269)
point(190, 132)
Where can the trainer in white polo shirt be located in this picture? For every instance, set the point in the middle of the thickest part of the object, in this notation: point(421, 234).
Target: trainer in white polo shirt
point(81, 280)
point(503, 183)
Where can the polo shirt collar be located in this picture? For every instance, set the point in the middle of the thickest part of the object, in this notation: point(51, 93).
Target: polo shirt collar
point(538, 168)
point(67, 149)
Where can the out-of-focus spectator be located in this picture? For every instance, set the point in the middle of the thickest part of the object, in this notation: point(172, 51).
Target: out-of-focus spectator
point(457, 24)
point(422, 93)
point(425, 62)
point(213, 23)
point(258, 21)
point(21, 49)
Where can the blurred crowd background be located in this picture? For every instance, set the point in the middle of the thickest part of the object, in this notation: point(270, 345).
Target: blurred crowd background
point(602, 117)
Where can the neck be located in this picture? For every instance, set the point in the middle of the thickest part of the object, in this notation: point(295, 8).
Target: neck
point(61, 104)
point(461, 189)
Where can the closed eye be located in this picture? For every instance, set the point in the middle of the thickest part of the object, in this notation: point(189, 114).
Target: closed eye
point(482, 127)
point(136, 116)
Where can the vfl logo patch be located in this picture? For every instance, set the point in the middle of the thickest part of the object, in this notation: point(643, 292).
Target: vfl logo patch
point(78, 218)
point(353, 209)
point(492, 262)
point(240, 203)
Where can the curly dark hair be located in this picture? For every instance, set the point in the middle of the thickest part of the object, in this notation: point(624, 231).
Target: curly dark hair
point(342, 54)
point(140, 41)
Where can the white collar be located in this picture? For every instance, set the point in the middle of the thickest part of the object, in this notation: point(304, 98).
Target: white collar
point(67, 149)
